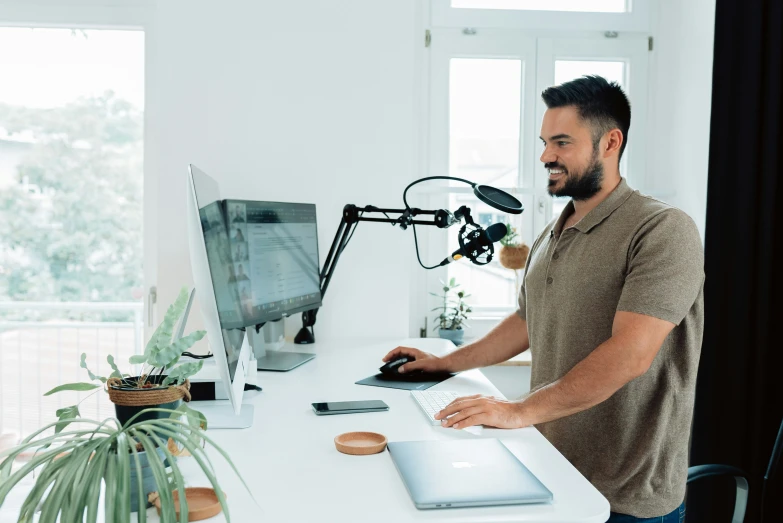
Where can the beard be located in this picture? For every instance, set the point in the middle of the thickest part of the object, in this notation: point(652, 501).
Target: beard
point(579, 186)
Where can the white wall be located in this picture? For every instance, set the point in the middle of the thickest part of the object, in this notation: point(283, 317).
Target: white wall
point(304, 101)
point(680, 104)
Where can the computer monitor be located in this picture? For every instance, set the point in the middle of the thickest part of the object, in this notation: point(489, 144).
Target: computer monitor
point(220, 305)
point(274, 270)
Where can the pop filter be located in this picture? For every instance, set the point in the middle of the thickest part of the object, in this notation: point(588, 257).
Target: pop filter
point(498, 199)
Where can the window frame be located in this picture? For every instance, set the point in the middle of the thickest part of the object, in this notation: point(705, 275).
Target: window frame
point(137, 15)
point(455, 42)
point(637, 19)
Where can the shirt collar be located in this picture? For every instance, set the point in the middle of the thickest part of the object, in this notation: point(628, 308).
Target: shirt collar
point(602, 211)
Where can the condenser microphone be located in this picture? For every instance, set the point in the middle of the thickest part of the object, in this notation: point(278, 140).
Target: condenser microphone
point(482, 243)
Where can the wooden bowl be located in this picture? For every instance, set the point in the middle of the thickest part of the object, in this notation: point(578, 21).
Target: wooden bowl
point(203, 503)
point(360, 443)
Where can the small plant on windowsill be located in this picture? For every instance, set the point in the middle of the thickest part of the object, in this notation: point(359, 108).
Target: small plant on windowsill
point(450, 322)
point(513, 254)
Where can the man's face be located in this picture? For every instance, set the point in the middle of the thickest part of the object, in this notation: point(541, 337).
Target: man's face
point(574, 166)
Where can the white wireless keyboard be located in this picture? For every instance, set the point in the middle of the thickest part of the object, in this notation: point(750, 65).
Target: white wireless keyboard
point(433, 401)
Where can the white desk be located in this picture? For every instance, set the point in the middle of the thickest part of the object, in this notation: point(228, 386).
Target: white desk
point(289, 461)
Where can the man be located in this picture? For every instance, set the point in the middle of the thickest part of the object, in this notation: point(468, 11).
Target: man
point(238, 216)
point(611, 308)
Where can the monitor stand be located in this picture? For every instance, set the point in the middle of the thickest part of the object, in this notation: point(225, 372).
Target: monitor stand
point(270, 359)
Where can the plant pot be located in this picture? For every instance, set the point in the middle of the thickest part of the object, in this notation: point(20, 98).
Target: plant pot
point(129, 401)
point(454, 335)
point(147, 478)
point(514, 257)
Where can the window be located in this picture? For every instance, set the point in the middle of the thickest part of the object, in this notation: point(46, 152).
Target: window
point(484, 119)
point(71, 155)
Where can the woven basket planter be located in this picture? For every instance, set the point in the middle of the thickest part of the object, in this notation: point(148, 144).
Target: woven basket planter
point(514, 257)
point(129, 401)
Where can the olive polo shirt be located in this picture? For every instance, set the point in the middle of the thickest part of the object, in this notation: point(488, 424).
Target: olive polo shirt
point(636, 254)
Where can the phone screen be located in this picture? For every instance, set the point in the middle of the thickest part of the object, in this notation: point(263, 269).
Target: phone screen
point(345, 406)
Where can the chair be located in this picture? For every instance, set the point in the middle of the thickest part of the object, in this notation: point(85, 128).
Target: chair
point(741, 500)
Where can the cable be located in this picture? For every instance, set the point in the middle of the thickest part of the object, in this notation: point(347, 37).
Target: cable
point(405, 192)
point(416, 241)
point(198, 356)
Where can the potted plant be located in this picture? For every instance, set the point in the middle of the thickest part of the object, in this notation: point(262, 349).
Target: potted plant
point(513, 254)
point(143, 404)
point(454, 312)
point(161, 384)
point(70, 467)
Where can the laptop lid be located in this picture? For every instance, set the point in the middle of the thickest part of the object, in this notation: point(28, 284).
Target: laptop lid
point(465, 473)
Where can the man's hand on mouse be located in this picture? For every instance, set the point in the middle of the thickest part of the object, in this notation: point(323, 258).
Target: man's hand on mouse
point(483, 410)
point(423, 361)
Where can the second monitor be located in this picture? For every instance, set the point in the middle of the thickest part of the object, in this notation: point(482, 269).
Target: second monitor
point(274, 268)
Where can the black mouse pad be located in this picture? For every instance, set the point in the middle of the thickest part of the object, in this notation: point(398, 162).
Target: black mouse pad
point(409, 382)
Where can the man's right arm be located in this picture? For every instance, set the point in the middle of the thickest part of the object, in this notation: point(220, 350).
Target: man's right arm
point(504, 341)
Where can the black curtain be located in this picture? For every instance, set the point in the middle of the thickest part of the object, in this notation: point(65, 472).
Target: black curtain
point(739, 395)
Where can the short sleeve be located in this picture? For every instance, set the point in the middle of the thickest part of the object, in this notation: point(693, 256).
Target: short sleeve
point(665, 271)
point(522, 301)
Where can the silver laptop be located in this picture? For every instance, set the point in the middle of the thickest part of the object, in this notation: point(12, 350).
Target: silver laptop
point(465, 473)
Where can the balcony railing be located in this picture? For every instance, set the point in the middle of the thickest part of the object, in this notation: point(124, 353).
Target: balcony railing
point(36, 356)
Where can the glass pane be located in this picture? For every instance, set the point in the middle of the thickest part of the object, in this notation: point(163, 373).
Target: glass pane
point(484, 120)
point(566, 70)
point(490, 285)
point(591, 6)
point(71, 149)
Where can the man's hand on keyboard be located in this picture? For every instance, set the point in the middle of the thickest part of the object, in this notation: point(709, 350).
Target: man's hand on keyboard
point(424, 361)
point(482, 410)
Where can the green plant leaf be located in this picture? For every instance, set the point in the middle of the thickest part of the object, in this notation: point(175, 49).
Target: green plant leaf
point(81, 387)
point(92, 484)
point(66, 413)
point(83, 364)
point(181, 372)
point(115, 371)
point(452, 282)
point(141, 503)
point(194, 418)
point(138, 359)
point(175, 479)
point(167, 514)
point(169, 355)
point(67, 486)
point(166, 330)
point(110, 499)
point(203, 460)
point(123, 506)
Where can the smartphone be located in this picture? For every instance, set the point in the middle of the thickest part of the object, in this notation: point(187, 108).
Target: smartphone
point(349, 407)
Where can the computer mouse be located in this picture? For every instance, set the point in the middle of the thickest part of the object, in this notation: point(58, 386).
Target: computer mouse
point(392, 368)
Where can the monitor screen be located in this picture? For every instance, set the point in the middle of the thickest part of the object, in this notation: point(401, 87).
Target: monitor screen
point(274, 267)
point(218, 263)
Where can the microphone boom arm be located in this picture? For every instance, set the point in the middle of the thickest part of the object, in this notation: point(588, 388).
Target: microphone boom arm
point(441, 218)
point(352, 215)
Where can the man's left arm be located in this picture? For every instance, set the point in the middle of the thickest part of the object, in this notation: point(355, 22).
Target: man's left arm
point(665, 277)
point(628, 354)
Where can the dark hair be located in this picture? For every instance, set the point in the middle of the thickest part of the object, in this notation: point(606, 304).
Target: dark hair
point(602, 104)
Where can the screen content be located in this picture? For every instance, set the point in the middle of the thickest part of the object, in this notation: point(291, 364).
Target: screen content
point(274, 267)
